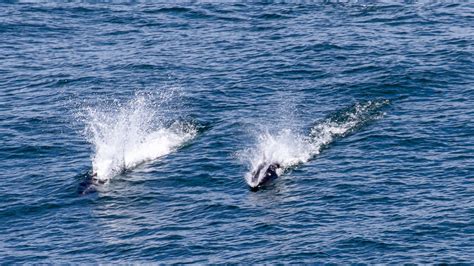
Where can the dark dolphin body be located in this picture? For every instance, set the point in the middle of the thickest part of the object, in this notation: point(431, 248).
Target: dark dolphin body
point(89, 185)
point(266, 172)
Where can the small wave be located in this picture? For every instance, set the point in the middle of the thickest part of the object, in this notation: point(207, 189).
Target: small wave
point(289, 148)
point(126, 135)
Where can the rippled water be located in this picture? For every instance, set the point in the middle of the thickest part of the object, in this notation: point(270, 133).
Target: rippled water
point(368, 105)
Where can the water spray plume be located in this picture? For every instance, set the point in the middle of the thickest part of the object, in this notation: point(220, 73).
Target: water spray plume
point(126, 135)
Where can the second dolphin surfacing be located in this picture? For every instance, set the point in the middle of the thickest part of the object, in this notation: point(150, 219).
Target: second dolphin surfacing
point(263, 175)
point(90, 184)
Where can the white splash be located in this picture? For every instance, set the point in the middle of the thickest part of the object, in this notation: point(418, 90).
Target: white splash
point(124, 136)
point(285, 148)
point(289, 148)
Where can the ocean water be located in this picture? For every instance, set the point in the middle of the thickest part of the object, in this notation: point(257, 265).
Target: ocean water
point(368, 106)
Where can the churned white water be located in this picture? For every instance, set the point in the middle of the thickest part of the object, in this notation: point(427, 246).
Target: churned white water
point(289, 148)
point(126, 135)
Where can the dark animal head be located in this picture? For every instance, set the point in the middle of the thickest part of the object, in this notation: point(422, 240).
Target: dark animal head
point(264, 174)
point(90, 184)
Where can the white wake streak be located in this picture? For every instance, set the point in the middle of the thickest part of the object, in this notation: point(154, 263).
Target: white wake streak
point(289, 149)
point(132, 134)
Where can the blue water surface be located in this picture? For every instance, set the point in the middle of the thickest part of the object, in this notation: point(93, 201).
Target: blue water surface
point(396, 186)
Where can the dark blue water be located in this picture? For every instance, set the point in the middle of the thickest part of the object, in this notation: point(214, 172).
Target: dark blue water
point(369, 108)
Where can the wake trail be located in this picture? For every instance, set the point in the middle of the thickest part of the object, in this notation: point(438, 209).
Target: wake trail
point(289, 148)
point(124, 136)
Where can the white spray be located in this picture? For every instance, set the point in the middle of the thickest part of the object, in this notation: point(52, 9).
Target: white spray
point(126, 135)
point(288, 149)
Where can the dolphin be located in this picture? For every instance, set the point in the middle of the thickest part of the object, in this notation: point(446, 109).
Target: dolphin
point(263, 175)
point(90, 184)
